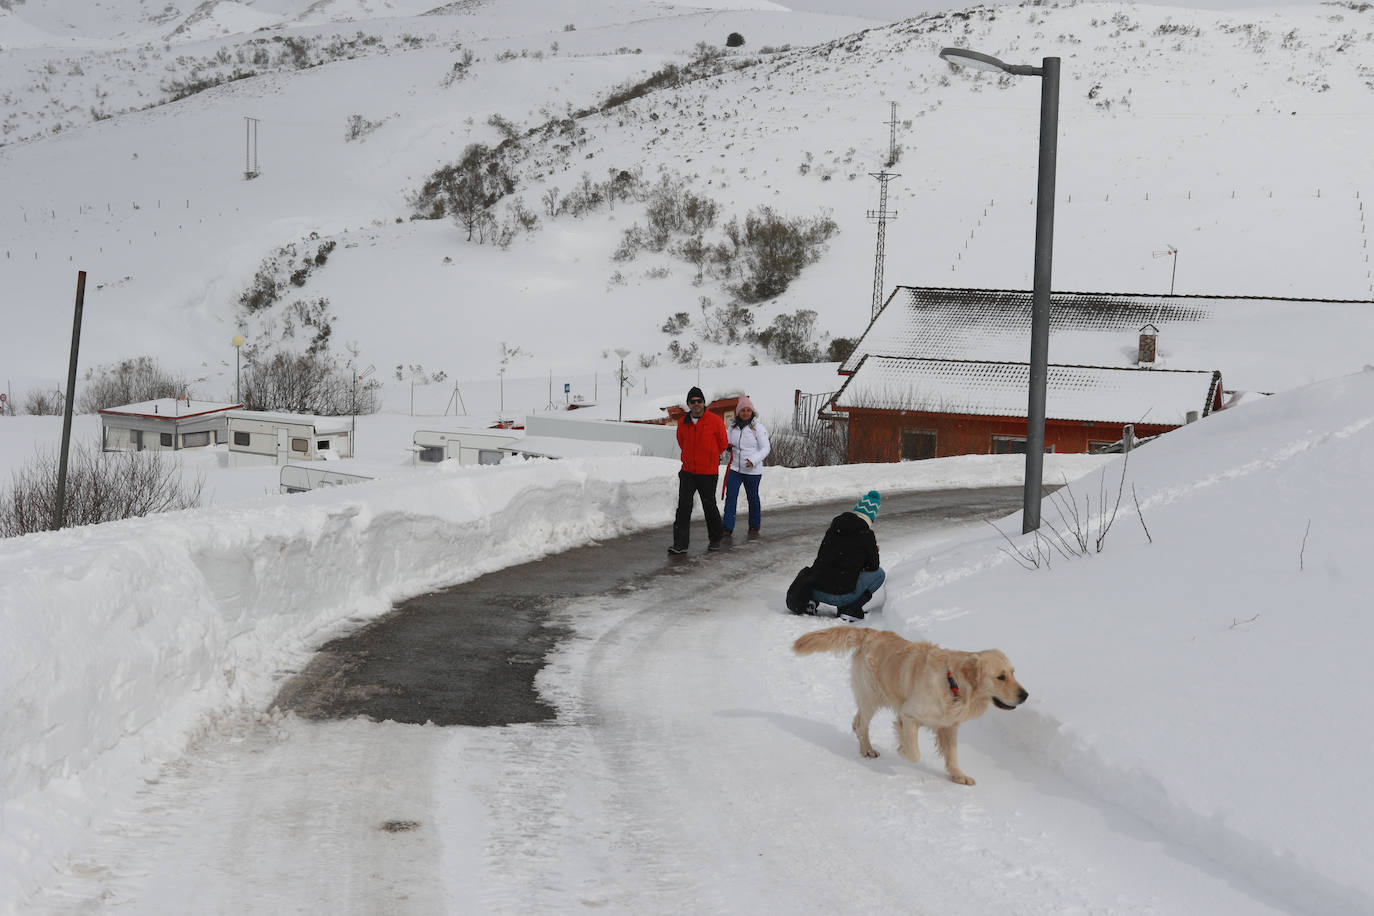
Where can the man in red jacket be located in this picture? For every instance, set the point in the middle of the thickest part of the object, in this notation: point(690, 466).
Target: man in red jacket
point(702, 438)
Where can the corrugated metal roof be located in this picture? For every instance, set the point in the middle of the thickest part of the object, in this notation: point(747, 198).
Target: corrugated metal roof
point(999, 389)
point(1261, 344)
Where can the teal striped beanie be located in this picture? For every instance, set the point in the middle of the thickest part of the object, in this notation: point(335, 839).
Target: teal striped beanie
point(868, 505)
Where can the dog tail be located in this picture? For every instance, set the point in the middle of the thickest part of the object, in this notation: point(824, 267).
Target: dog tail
point(831, 639)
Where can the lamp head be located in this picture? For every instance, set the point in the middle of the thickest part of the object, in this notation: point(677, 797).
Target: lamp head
point(972, 59)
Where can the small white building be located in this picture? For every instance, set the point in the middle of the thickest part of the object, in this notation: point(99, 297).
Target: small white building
point(260, 437)
point(164, 424)
point(653, 439)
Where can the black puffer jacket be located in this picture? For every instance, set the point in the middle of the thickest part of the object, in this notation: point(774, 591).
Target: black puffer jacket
point(848, 547)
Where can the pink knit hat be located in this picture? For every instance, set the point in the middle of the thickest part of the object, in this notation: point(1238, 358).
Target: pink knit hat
point(744, 404)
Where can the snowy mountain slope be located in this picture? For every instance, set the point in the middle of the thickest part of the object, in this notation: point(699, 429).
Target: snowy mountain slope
point(1236, 137)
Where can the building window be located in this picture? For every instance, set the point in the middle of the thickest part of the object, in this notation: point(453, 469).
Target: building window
point(1013, 445)
point(432, 453)
point(918, 444)
point(242, 438)
point(219, 437)
point(165, 439)
point(195, 440)
point(300, 445)
point(136, 436)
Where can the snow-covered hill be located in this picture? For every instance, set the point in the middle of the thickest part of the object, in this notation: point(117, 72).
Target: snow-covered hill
point(1237, 137)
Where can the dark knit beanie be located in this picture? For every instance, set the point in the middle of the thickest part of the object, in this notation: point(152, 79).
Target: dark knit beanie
point(695, 392)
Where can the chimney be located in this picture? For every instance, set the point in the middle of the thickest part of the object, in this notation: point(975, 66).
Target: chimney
point(1145, 357)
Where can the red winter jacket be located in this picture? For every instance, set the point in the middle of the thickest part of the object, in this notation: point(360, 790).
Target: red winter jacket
point(701, 443)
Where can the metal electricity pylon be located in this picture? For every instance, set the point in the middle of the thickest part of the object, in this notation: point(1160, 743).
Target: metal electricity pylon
point(882, 215)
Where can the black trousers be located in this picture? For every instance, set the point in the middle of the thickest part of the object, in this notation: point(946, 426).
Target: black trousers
point(690, 486)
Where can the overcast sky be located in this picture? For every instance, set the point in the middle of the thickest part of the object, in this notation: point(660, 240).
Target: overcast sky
point(892, 10)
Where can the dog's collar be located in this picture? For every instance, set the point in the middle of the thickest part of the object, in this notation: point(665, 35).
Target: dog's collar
point(953, 687)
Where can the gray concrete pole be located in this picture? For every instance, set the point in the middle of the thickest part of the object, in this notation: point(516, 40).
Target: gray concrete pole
point(1040, 313)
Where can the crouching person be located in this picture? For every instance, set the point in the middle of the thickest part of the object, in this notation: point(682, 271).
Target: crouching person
point(846, 569)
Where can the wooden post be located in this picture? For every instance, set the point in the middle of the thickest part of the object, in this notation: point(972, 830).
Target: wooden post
point(60, 510)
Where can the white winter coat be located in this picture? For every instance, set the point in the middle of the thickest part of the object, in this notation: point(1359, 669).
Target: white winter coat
point(750, 444)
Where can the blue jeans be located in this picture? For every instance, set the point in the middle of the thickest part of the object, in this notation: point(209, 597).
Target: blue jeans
point(870, 580)
point(733, 479)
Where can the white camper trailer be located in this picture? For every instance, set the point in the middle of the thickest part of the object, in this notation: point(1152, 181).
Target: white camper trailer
point(466, 446)
point(163, 424)
point(298, 478)
point(258, 437)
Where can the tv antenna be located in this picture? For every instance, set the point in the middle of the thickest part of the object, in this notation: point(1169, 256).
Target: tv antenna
point(1169, 252)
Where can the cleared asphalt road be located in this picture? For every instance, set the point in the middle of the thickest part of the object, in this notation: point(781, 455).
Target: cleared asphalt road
point(468, 655)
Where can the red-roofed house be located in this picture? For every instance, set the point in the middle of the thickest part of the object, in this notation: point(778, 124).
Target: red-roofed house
point(943, 371)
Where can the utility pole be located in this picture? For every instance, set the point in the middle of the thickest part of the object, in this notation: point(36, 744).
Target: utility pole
point(882, 215)
point(892, 138)
point(250, 148)
point(59, 518)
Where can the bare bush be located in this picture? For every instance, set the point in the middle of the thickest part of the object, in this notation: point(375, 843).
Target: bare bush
point(44, 403)
point(791, 338)
point(302, 383)
point(814, 444)
point(774, 250)
point(1080, 533)
point(100, 487)
point(128, 381)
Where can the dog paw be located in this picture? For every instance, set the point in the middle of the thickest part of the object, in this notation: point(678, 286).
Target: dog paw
point(868, 751)
point(962, 779)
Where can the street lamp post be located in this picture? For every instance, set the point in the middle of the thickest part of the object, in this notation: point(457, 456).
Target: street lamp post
point(237, 341)
point(1048, 72)
point(620, 410)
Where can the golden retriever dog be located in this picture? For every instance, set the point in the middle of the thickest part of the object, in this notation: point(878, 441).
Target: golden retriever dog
point(922, 683)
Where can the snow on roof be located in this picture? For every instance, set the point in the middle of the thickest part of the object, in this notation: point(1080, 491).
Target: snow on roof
point(170, 409)
point(1259, 344)
point(560, 447)
point(322, 425)
point(1091, 393)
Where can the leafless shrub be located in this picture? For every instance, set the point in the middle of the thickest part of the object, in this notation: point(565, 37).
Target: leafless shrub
point(100, 487)
point(128, 381)
point(1080, 532)
point(44, 403)
point(301, 383)
point(813, 445)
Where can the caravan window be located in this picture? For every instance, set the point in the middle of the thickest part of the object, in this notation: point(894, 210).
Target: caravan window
point(489, 456)
point(241, 438)
point(165, 439)
point(300, 445)
point(322, 445)
point(433, 453)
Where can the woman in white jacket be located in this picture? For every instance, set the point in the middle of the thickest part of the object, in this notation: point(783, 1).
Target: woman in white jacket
point(748, 447)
